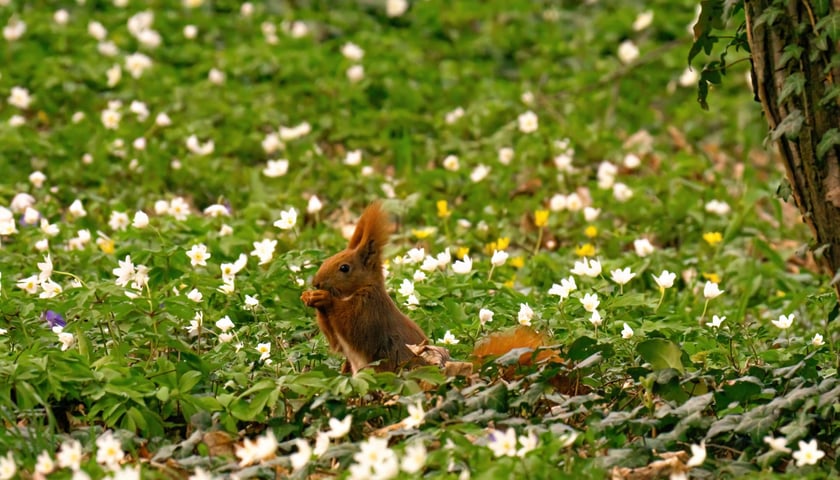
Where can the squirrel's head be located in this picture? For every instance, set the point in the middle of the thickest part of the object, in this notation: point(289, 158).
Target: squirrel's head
point(360, 264)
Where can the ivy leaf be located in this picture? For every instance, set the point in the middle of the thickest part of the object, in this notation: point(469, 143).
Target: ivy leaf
point(661, 354)
point(830, 25)
point(789, 127)
point(829, 139)
point(794, 84)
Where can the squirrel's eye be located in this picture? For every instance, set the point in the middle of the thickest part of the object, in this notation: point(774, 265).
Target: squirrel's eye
point(344, 267)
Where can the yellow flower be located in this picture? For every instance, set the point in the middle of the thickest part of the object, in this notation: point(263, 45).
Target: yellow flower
point(591, 231)
point(780, 293)
point(712, 277)
point(443, 209)
point(510, 282)
point(541, 218)
point(462, 251)
point(517, 261)
point(422, 233)
point(501, 244)
point(585, 250)
point(713, 238)
point(106, 245)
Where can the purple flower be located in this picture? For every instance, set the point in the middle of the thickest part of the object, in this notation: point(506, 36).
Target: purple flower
point(53, 318)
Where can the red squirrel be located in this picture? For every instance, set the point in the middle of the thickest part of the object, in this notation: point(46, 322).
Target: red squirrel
point(362, 322)
point(354, 311)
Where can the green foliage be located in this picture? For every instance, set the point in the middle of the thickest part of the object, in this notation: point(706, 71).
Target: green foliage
point(182, 382)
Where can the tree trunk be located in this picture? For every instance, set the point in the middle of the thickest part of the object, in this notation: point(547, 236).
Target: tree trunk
point(792, 86)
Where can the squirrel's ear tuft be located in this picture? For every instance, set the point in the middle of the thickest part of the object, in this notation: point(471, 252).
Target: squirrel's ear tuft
point(371, 235)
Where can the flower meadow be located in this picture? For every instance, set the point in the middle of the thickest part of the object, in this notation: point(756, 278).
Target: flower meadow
point(174, 172)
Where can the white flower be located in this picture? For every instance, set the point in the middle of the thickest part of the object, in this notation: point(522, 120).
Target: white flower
point(258, 450)
point(107, 49)
point(416, 415)
point(590, 302)
point(448, 339)
point(14, 29)
point(643, 20)
point(414, 458)
point(300, 458)
point(20, 98)
point(711, 290)
point(113, 75)
point(44, 464)
point(525, 315)
point(353, 157)
point(586, 267)
point(643, 247)
point(665, 279)
point(817, 341)
point(463, 266)
point(288, 219)
point(16, 120)
point(631, 161)
point(784, 322)
point(8, 467)
point(499, 258)
point(46, 268)
point(314, 205)
point(406, 288)
point(179, 208)
point(201, 474)
point(479, 173)
point(698, 455)
point(340, 428)
point(564, 288)
point(196, 147)
point(415, 255)
point(375, 455)
point(430, 264)
point(217, 210)
point(453, 116)
point(626, 332)
point(251, 303)
point(622, 276)
point(596, 319)
point(224, 324)
point(109, 450)
point(528, 442)
point(352, 51)
point(506, 155)
point(264, 349)
point(451, 163)
point(485, 316)
point(198, 255)
point(622, 192)
point(689, 77)
point(528, 122)
point(628, 51)
point(356, 73)
point(606, 175)
point(190, 32)
point(264, 250)
point(777, 444)
point(591, 214)
point(194, 328)
point(503, 444)
point(195, 295)
point(419, 275)
point(276, 168)
point(225, 337)
point(111, 119)
point(163, 120)
point(557, 202)
point(49, 289)
point(66, 340)
point(717, 207)
point(70, 455)
point(716, 321)
point(216, 76)
point(137, 63)
point(395, 8)
point(37, 178)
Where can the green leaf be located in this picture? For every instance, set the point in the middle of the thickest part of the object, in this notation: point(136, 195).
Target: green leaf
point(794, 84)
point(790, 126)
point(661, 354)
point(829, 139)
point(830, 25)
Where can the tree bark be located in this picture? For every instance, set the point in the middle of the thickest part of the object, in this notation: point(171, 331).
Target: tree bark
point(800, 116)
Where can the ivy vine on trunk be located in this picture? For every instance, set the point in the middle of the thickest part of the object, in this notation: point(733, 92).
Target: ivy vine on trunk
point(793, 47)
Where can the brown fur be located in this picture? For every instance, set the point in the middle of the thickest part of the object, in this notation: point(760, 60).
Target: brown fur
point(500, 343)
point(354, 311)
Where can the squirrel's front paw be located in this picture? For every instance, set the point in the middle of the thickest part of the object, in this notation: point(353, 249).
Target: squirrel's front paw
point(316, 298)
